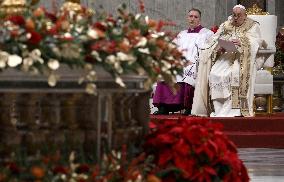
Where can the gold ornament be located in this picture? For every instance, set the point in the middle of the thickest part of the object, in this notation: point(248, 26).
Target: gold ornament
point(73, 1)
point(75, 6)
point(256, 10)
point(13, 7)
point(72, 5)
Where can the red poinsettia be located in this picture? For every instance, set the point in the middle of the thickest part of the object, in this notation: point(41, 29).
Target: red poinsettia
point(13, 168)
point(60, 170)
point(193, 150)
point(100, 26)
point(17, 20)
point(35, 37)
point(51, 16)
point(214, 28)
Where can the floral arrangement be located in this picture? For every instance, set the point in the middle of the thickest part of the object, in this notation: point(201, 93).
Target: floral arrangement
point(193, 150)
point(114, 167)
point(214, 28)
point(181, 150)
point(38, 42)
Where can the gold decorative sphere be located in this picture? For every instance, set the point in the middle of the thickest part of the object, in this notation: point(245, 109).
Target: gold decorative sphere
point(75, 6)
point(12, 7)
point(71, 5)
point(73, 1)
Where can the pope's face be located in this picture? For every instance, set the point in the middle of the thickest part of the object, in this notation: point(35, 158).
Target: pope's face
point(193, 18)
point(238, 16)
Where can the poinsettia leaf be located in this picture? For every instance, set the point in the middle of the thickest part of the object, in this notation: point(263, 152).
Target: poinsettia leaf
point(199, 149)
point(164, 157)
point(182, 148)
point(176, 130)
point(210, 170)
point(166, 138)
point(152, 125)
point(171, 170)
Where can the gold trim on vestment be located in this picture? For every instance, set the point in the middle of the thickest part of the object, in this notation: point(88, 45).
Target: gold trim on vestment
point(239, 93)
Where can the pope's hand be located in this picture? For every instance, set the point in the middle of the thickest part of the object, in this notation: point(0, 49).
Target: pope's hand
point(236, 42)
point(221, 50)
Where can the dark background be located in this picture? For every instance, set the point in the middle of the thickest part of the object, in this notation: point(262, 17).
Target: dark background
point(249, 3)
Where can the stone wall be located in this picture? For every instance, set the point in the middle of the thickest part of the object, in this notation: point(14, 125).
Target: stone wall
point(170, 10)
point(279, 6)
point(214, 12)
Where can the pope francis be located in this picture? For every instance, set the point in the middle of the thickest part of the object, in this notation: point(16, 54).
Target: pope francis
point(225, 81)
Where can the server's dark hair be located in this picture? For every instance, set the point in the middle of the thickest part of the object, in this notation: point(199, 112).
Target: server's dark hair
point(195, 9)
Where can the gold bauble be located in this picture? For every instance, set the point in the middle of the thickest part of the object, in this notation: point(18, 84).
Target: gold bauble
point(71, 5)
point(73, 1)
point(13, 7)
point(74, 5)
point(14, 3)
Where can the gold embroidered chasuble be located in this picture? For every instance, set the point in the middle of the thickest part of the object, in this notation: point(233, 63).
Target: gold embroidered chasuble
point(239, 92)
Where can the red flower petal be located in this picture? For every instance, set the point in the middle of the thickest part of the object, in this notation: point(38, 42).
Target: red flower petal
point(165, 157)
point(166, 138)
point(152, 125)
point(35, 37)
point(182, 148)
point(17, 19)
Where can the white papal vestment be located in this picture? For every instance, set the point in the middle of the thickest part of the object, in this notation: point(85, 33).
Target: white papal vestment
point(188, 44)
point(227, 80)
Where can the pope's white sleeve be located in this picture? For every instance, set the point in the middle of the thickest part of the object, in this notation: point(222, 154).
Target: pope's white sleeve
point(255, 35)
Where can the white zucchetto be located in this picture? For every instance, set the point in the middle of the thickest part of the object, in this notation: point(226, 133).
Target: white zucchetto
point(239, 6)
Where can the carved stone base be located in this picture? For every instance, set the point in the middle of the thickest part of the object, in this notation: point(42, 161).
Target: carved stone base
point(40, 118)
point(33, 142)
point(10, 141)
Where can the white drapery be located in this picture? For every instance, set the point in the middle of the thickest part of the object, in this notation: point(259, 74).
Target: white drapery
point(188, 44)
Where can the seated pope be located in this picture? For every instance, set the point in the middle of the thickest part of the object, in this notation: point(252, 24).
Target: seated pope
point(225, 81)
point(180, 96)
